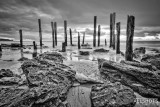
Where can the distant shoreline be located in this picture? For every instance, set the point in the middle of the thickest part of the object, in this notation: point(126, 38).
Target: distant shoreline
point(77, 41)
point(5, 40)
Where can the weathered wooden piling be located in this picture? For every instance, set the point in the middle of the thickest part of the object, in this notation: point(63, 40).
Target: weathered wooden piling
point(55, 32)
point(79, 46)
point(34, 54)
point(118, 27)
point(105, 42)
point(99, 34)
point(40, 32)
point(34, 45)
point(21, 38)
point(94, 33)
point(53, 38)
point(0, 48)
point(22, 56)
point(65, 31)
point(83, 37)
point(113, 31)
point(64, 47)
point(129, 40)
point(70, 31)
point(110, 30)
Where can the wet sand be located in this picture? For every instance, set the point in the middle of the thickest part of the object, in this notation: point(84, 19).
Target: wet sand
point(79, 96)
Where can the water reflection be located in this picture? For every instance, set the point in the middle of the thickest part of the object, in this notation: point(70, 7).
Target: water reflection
point(118, 58)
point(41, 49)
point(0, 55)
point(83, 57)
point(34, 54)
point(70, 56)
point(22, 55)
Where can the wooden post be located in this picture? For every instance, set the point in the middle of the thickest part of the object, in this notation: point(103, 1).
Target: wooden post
point(21, 38)
point(40, 32)
point(64, 47)
point(99, 34)
point(83, 37)
point(70, 30)
point(35, 50)
point(65, 31)
point(118, 27)
point(79, 46)
point(53, 39)
point(129, 41)
point(0, 48)
point(34, 45)
point(110, 30)
point(94, 34)
point(113, 30)
point(55, 32)
point(105, 42)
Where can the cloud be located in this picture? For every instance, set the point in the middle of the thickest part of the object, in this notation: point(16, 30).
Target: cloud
point(23, 14)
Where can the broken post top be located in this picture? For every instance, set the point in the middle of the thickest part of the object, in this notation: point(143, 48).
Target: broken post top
point(39, 22)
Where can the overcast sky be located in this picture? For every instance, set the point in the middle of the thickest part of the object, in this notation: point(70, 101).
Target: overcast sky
point(24, 14)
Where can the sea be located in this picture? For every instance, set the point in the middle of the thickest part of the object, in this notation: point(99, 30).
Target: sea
point(9, 57)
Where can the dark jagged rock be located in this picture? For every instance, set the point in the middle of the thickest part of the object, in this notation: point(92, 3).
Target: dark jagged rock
point(153, 59)
point(45, 47)
point(86, 45)
point(141, 80)
point(48, 82)
point(155, 50)
point(8, 81)
point(15, 97)
point(15, 45)
point(138, 51)
point(112, 95)
point(27, 52)
point(5, 45)
point(73, 45)
point(140, 64)
point(122, 53)
point(23, 59)
point(53, 56)
point(101, 50)
point(83, 52)
point(143, 75)
point(6, 73)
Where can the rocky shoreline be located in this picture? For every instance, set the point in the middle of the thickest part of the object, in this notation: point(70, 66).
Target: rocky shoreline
point(46, 80)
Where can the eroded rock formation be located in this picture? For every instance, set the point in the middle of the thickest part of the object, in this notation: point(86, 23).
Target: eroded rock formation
point(143, 79)
point(112, 95)
point(48, 81)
